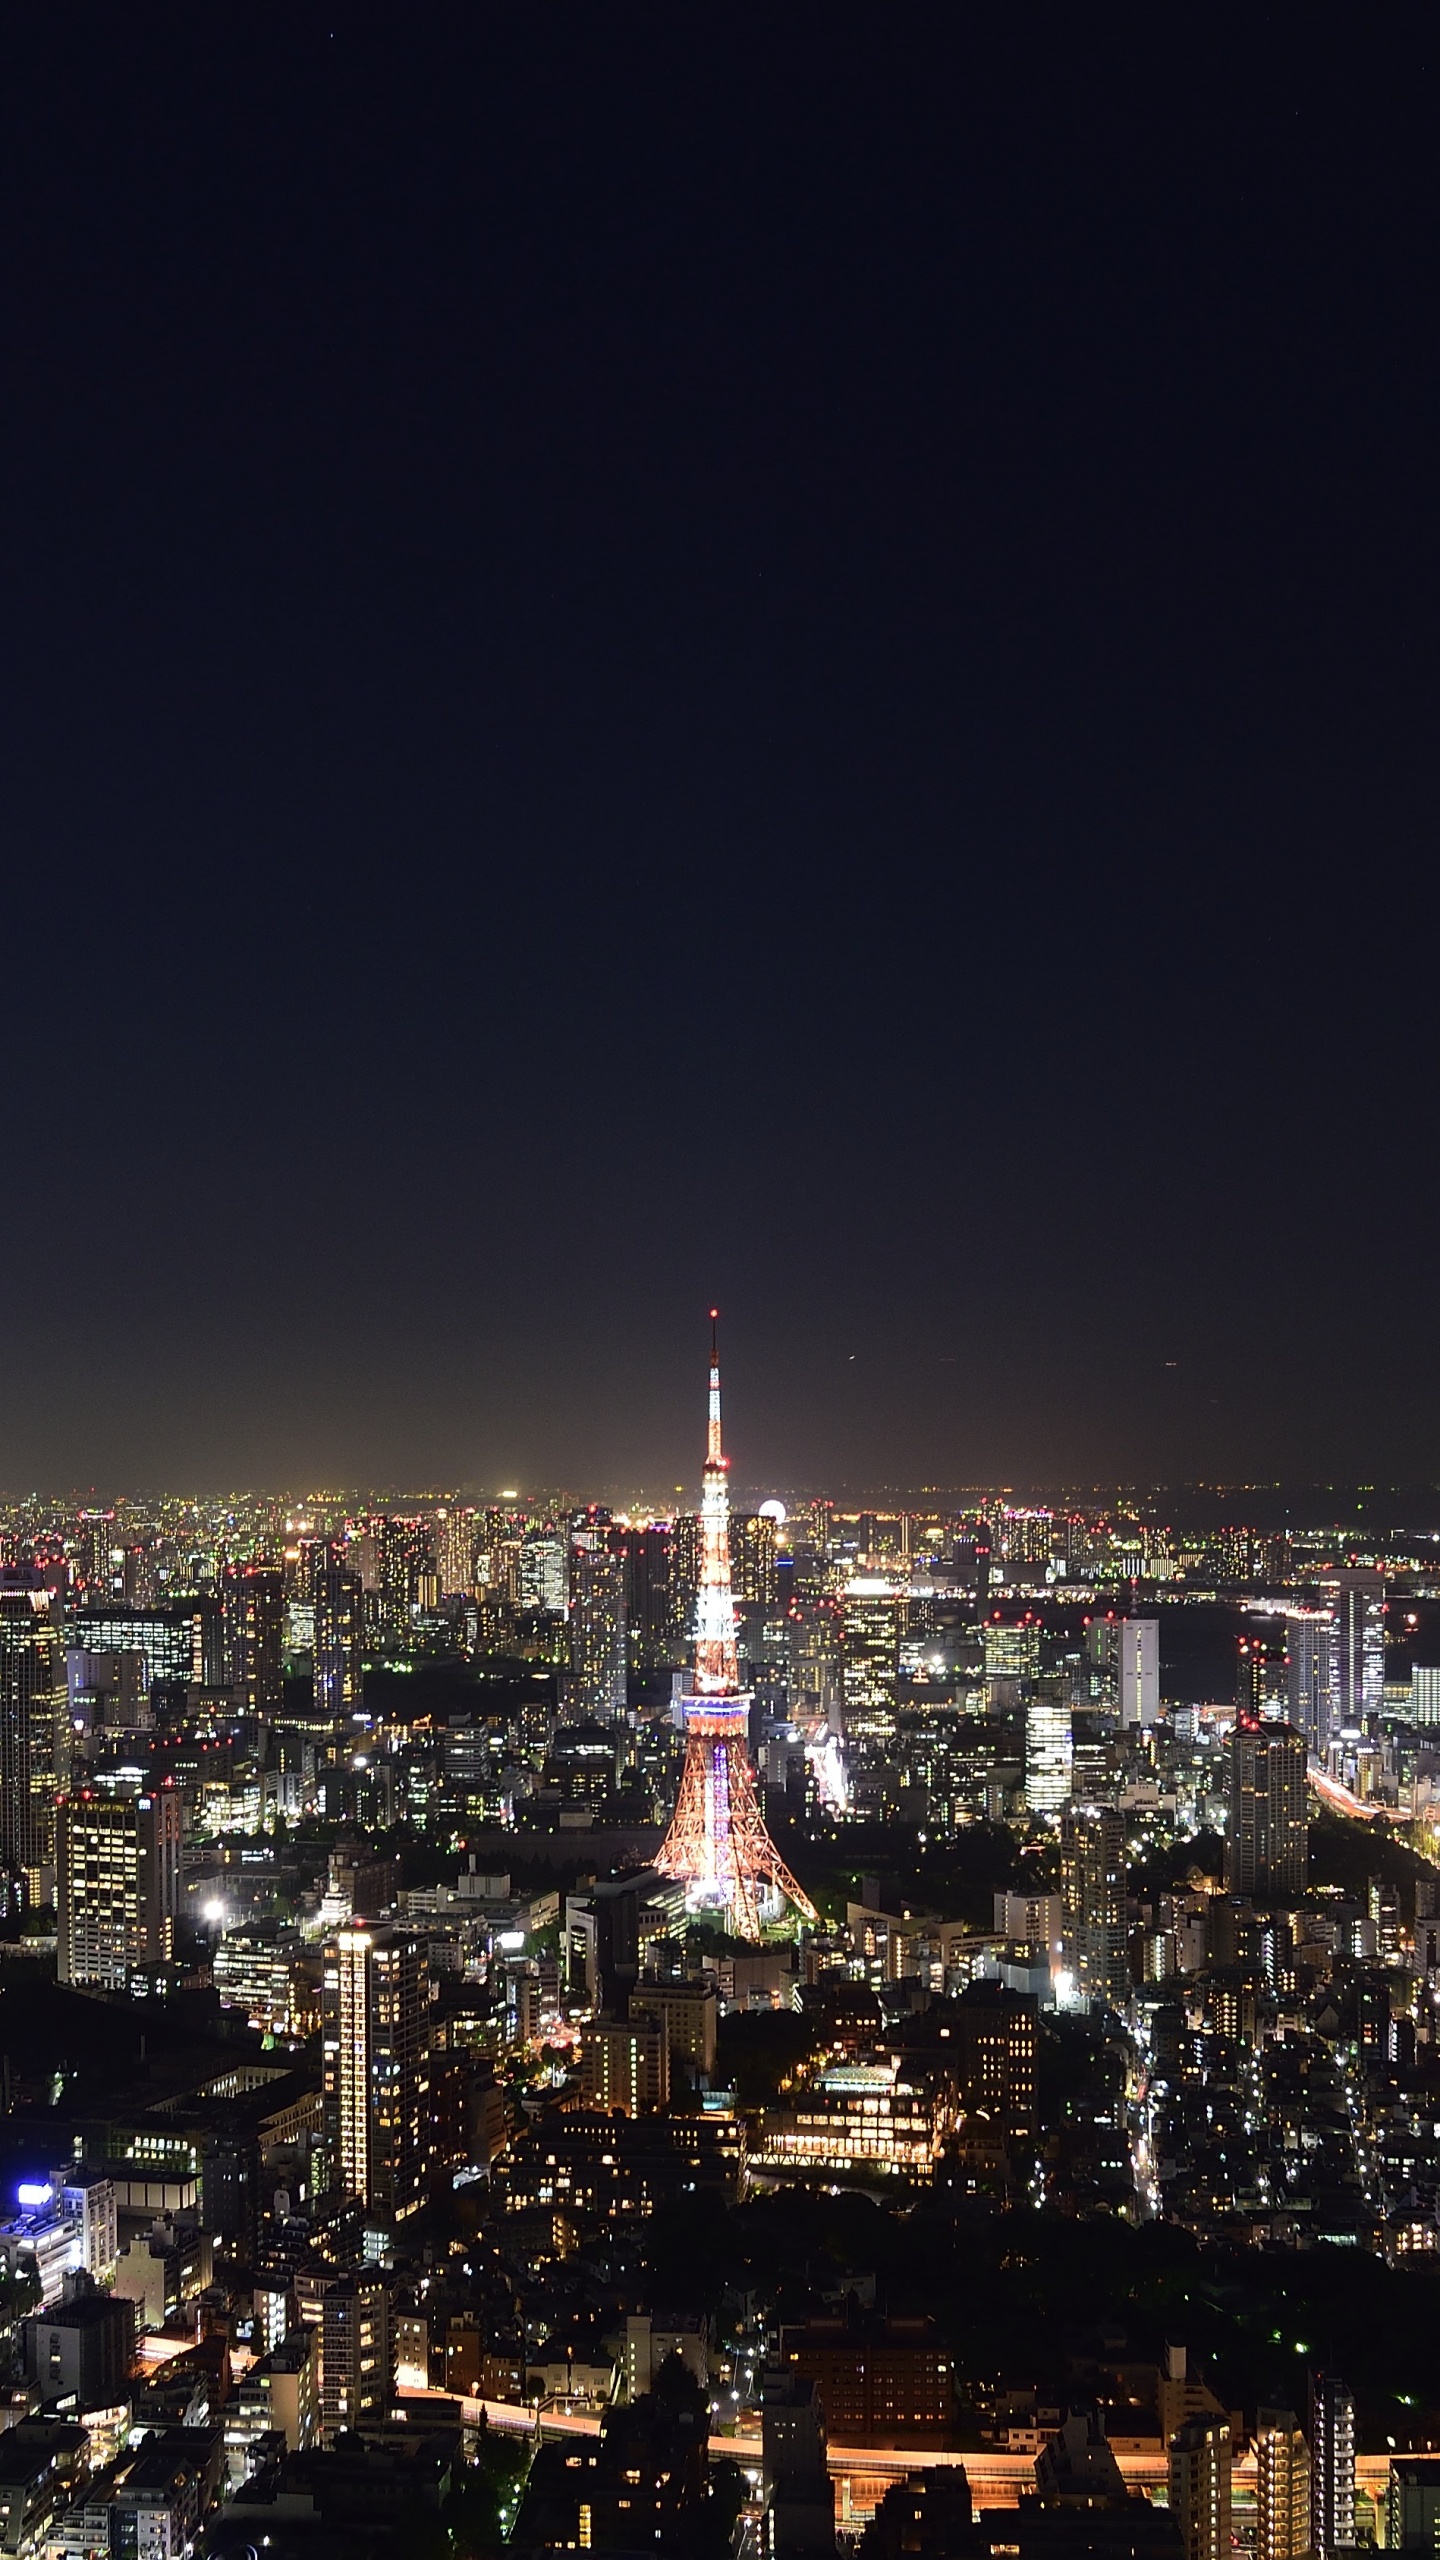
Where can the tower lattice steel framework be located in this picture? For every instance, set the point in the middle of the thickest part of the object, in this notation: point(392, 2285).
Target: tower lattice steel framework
point(717, 1844)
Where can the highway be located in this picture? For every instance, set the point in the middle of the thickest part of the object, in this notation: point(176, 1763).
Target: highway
point(862, 2474)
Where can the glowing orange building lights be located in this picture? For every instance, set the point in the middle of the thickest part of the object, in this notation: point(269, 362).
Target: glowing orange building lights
point(717, 1844)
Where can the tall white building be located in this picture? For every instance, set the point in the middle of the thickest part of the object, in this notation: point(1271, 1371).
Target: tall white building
point(1049, 1753)
point(1309, 1649)
point(1357, 1670)
point(1138, 1641)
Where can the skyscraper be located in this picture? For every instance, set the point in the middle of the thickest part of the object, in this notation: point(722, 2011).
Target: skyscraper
point(1092, 1900)
point(34, 1725)
point(1138, 1642)
point(117, 1884)
point(456, 1531)
point(649, 1599)
point(253, 1597)
point(376, 2063)
point(1357, 1676)
point(544, 1581)
point(1332, 2465)
point(1266, 1842)
point(1261, 1673)
point(1049, 1749)
point(871, 1617)
point(597, 1620)
point(1309, 1667)
point(339, 1605)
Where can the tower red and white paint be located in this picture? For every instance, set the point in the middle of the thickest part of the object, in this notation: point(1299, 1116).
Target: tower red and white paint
point(717, 1844)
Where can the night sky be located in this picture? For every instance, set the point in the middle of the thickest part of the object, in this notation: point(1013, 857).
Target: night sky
point(662, 653)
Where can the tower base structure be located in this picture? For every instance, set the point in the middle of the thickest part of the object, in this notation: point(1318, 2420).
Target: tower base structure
point(717, 1845)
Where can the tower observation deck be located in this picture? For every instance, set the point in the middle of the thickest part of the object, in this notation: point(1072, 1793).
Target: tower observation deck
point(717, 1845)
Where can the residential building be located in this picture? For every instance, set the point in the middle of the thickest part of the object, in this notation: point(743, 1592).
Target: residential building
point(375, 2003)
point(1200, 2484)
point(1332, 2465)
point(1092, 1900)
point(1266, 1841)
point(1282, 2486)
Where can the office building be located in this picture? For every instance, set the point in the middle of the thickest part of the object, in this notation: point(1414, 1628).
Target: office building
point(872, 1615)
point(34, 1727)
point(649, 1595)
point(1200, 2486)
point(117, 1885)
point(375, 2005)
point(995, 2031)
point(544, 1579)
point(261, 1969)
point(1332, 2465)
point(1092, 1905)
point(1357, 1674)
point(1049, 1750)
point(1282, 2486)
point(597, 1622)
point(1266, 1841)
point(182, 1641)
point(1138, 1670)
point(81, 2348)
point(880, 2382)
point(1309, 1665)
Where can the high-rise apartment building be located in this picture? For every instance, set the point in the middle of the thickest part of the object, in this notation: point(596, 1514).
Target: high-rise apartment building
point(1138, 1670)
point(117, 1885)
point(754, 1567)
point(1261, 1673)
point(1200, 2486)
point(375, 2006)
point(339, 1604)
point(357, 2351)
point(597, 1622)
point(34, 1725)
point(1309, 1666)
point(1092, 1903)
point(1282, 2486)
point(1266, 1842)
point(1357, 1676)
point(1332, 2465)
point(456, 1535)
point(253, 1600)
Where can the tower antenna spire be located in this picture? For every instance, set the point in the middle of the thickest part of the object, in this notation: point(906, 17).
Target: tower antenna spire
point(717, 1844)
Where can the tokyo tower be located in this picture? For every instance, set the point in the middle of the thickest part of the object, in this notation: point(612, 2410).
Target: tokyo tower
point(717, 1845)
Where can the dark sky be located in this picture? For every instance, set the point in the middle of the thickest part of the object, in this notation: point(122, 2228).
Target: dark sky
point(656, 653)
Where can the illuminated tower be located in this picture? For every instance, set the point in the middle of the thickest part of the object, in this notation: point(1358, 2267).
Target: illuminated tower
point(717, 1845)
